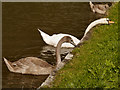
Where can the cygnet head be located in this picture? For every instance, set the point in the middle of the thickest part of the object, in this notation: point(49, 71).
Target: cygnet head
point(105, 21)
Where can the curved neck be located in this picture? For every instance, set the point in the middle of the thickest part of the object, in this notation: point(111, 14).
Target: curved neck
point(58, 57)
point(91, 26)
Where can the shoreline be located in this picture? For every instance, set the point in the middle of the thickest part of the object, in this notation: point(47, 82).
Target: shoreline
point(94, 64)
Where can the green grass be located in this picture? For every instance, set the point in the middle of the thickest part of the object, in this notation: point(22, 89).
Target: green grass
point(95, 63)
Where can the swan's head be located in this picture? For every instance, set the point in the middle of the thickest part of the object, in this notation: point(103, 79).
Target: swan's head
point(105, 21)
point(68, 39)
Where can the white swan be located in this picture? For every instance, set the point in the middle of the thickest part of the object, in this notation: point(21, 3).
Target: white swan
point(54, 39)
point(37, 66)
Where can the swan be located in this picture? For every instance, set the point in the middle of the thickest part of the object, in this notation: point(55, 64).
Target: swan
point(34, 65)
point(54, 39)
point(99, 8)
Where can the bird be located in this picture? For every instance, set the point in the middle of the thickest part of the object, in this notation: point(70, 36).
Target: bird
point(54, 39)
point(99, 8)
point(34, 65)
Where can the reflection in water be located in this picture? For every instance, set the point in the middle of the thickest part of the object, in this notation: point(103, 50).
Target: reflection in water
point(20, 37)
point(22, 81)
point(48, 53)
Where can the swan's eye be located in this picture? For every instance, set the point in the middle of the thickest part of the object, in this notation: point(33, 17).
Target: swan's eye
point(71, 40)
point(108, 21)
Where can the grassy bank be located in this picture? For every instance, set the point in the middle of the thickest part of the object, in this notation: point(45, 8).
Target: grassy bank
point(95, 64)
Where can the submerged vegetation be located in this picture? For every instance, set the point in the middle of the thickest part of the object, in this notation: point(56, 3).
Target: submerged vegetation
point(95, 63)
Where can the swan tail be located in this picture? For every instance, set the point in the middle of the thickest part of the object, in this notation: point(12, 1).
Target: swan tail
point(92, 6)
point(9, 64)
point(45, 36)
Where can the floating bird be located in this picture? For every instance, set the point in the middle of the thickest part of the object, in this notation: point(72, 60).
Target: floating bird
point(34, 65)
point(54, 39)
point(99, 8)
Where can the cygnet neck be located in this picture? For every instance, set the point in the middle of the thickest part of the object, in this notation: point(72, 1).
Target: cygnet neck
point(58, 48)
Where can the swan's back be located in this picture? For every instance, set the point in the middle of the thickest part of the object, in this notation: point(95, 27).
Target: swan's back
point(31, 65)
point(29, 61)
point(55, 38)
point(102, 7)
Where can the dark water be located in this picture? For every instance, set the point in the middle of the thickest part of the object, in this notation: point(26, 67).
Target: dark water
point(21, 38)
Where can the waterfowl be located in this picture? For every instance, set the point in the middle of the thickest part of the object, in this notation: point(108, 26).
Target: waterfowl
point(54, 39)
point(99, 8)
point(34, 65)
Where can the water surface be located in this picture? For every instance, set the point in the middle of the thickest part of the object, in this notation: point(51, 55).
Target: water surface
point(20, 37)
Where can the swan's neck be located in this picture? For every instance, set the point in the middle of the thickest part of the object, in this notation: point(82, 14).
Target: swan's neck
point(91, 26)
point(58, 57)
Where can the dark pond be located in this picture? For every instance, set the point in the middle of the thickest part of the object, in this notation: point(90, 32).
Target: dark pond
point(20, 37)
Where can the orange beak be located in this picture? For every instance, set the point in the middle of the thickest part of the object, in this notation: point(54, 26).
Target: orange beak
point(110, 22)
